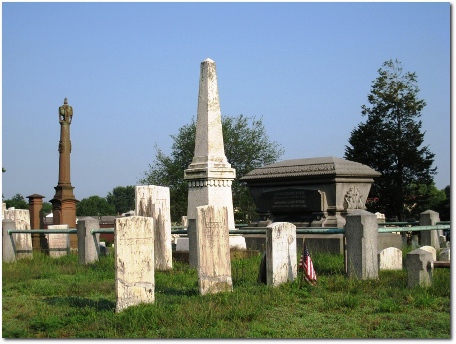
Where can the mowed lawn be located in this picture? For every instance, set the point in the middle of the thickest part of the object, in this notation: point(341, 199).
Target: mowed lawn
point(58, 298)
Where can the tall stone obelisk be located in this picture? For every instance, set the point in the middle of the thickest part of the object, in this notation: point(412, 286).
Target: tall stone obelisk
point(209, 176)
point(64, 202)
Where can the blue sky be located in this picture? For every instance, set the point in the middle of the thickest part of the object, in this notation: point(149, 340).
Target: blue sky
point(131, 72)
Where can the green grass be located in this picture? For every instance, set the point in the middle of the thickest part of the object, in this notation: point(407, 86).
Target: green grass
point(58, 298)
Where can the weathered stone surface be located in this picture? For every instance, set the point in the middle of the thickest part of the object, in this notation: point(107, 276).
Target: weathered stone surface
point(64, 202)
point(213, 249)
point(89, 245)
point(281, 256)
point(361, 232)
point(431, 250)
point(385, 240)
point(445, 254)
point(419, 265)
point(58, 244)
point(430, 238)
point(390, 259)
point(134, 255)
point(321, 190)
point(22, 241)
point(8, 248)
point(209, 176)
point(154, 201)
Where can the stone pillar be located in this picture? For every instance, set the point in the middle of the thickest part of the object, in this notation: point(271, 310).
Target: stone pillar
point(209, 176)
point(88, 243)
point(281, 256)
point(8, 248)
point(36, 218)
point(134, 255)
point(361, 232)
point(154, 201)
point(64, 202)
point(213, 249)
point(22, 241)
point(419, 265)
point(58, 243)
point(430, 238)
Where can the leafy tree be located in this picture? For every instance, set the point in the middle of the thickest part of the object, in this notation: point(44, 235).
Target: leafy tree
point(17, 201)
point(47, 208)
point(94, 206)
point(391, 142)
point(443, 208)
point(122, 198)
point(427, 197)
point(247, 146)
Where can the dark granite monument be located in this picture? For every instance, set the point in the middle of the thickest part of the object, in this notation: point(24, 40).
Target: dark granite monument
point(310, 192)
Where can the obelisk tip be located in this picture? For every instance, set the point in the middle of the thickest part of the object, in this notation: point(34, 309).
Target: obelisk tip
point(208, 60)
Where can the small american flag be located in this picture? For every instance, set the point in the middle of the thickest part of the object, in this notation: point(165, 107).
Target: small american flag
point(306, 265)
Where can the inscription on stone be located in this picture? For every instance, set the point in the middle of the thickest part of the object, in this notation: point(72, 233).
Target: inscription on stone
point(291, 200)
point(134, 255)
point(213, 249)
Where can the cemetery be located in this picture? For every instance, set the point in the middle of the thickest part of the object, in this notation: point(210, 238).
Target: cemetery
point(308, 209)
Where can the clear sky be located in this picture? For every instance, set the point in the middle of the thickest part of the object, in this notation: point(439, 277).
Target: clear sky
point(131, 73)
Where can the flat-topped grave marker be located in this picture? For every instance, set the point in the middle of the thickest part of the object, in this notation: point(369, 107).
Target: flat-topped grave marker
point(154, 201)
point(58, 244)
point(213, 249)
point(134, 256)
point(281, 257)
point(22, 241)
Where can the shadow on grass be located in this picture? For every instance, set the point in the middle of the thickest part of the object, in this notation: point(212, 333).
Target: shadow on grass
point(100, 305)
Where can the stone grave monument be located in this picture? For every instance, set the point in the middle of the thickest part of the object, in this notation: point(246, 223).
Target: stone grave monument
point(64, 202)
point(154, 201)
point(281, 256)
point(22, 241)
point(213, 253)
point(209, 176)
point(134, 256)
point(310, 192)
point(58, 244)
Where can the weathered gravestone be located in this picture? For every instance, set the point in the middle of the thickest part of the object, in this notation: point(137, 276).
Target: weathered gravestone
point(213, 249)
point(419, 265)
point(134, 255)
point(431, 250)
point(89, 245)
point(8, 247)
point(154, 201)
point(361, 232)
point(445, 254)
point(281, 256)
point(390, 259)
point(22, 241)
point(58, 243)
point(209, 176)
point(430, 238)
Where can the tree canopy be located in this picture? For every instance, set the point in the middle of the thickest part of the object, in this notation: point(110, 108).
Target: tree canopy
point(94, 206)
point(391, 142)
point(17, 201)
point(122, 198)
point(247, 146)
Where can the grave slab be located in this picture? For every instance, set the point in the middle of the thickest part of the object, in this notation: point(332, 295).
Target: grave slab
point(213, 250)
point(134, 256)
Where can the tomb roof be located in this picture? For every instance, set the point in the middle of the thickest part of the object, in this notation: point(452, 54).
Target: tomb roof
point(319, 166)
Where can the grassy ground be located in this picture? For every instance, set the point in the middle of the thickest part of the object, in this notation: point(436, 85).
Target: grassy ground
point(58, 298)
